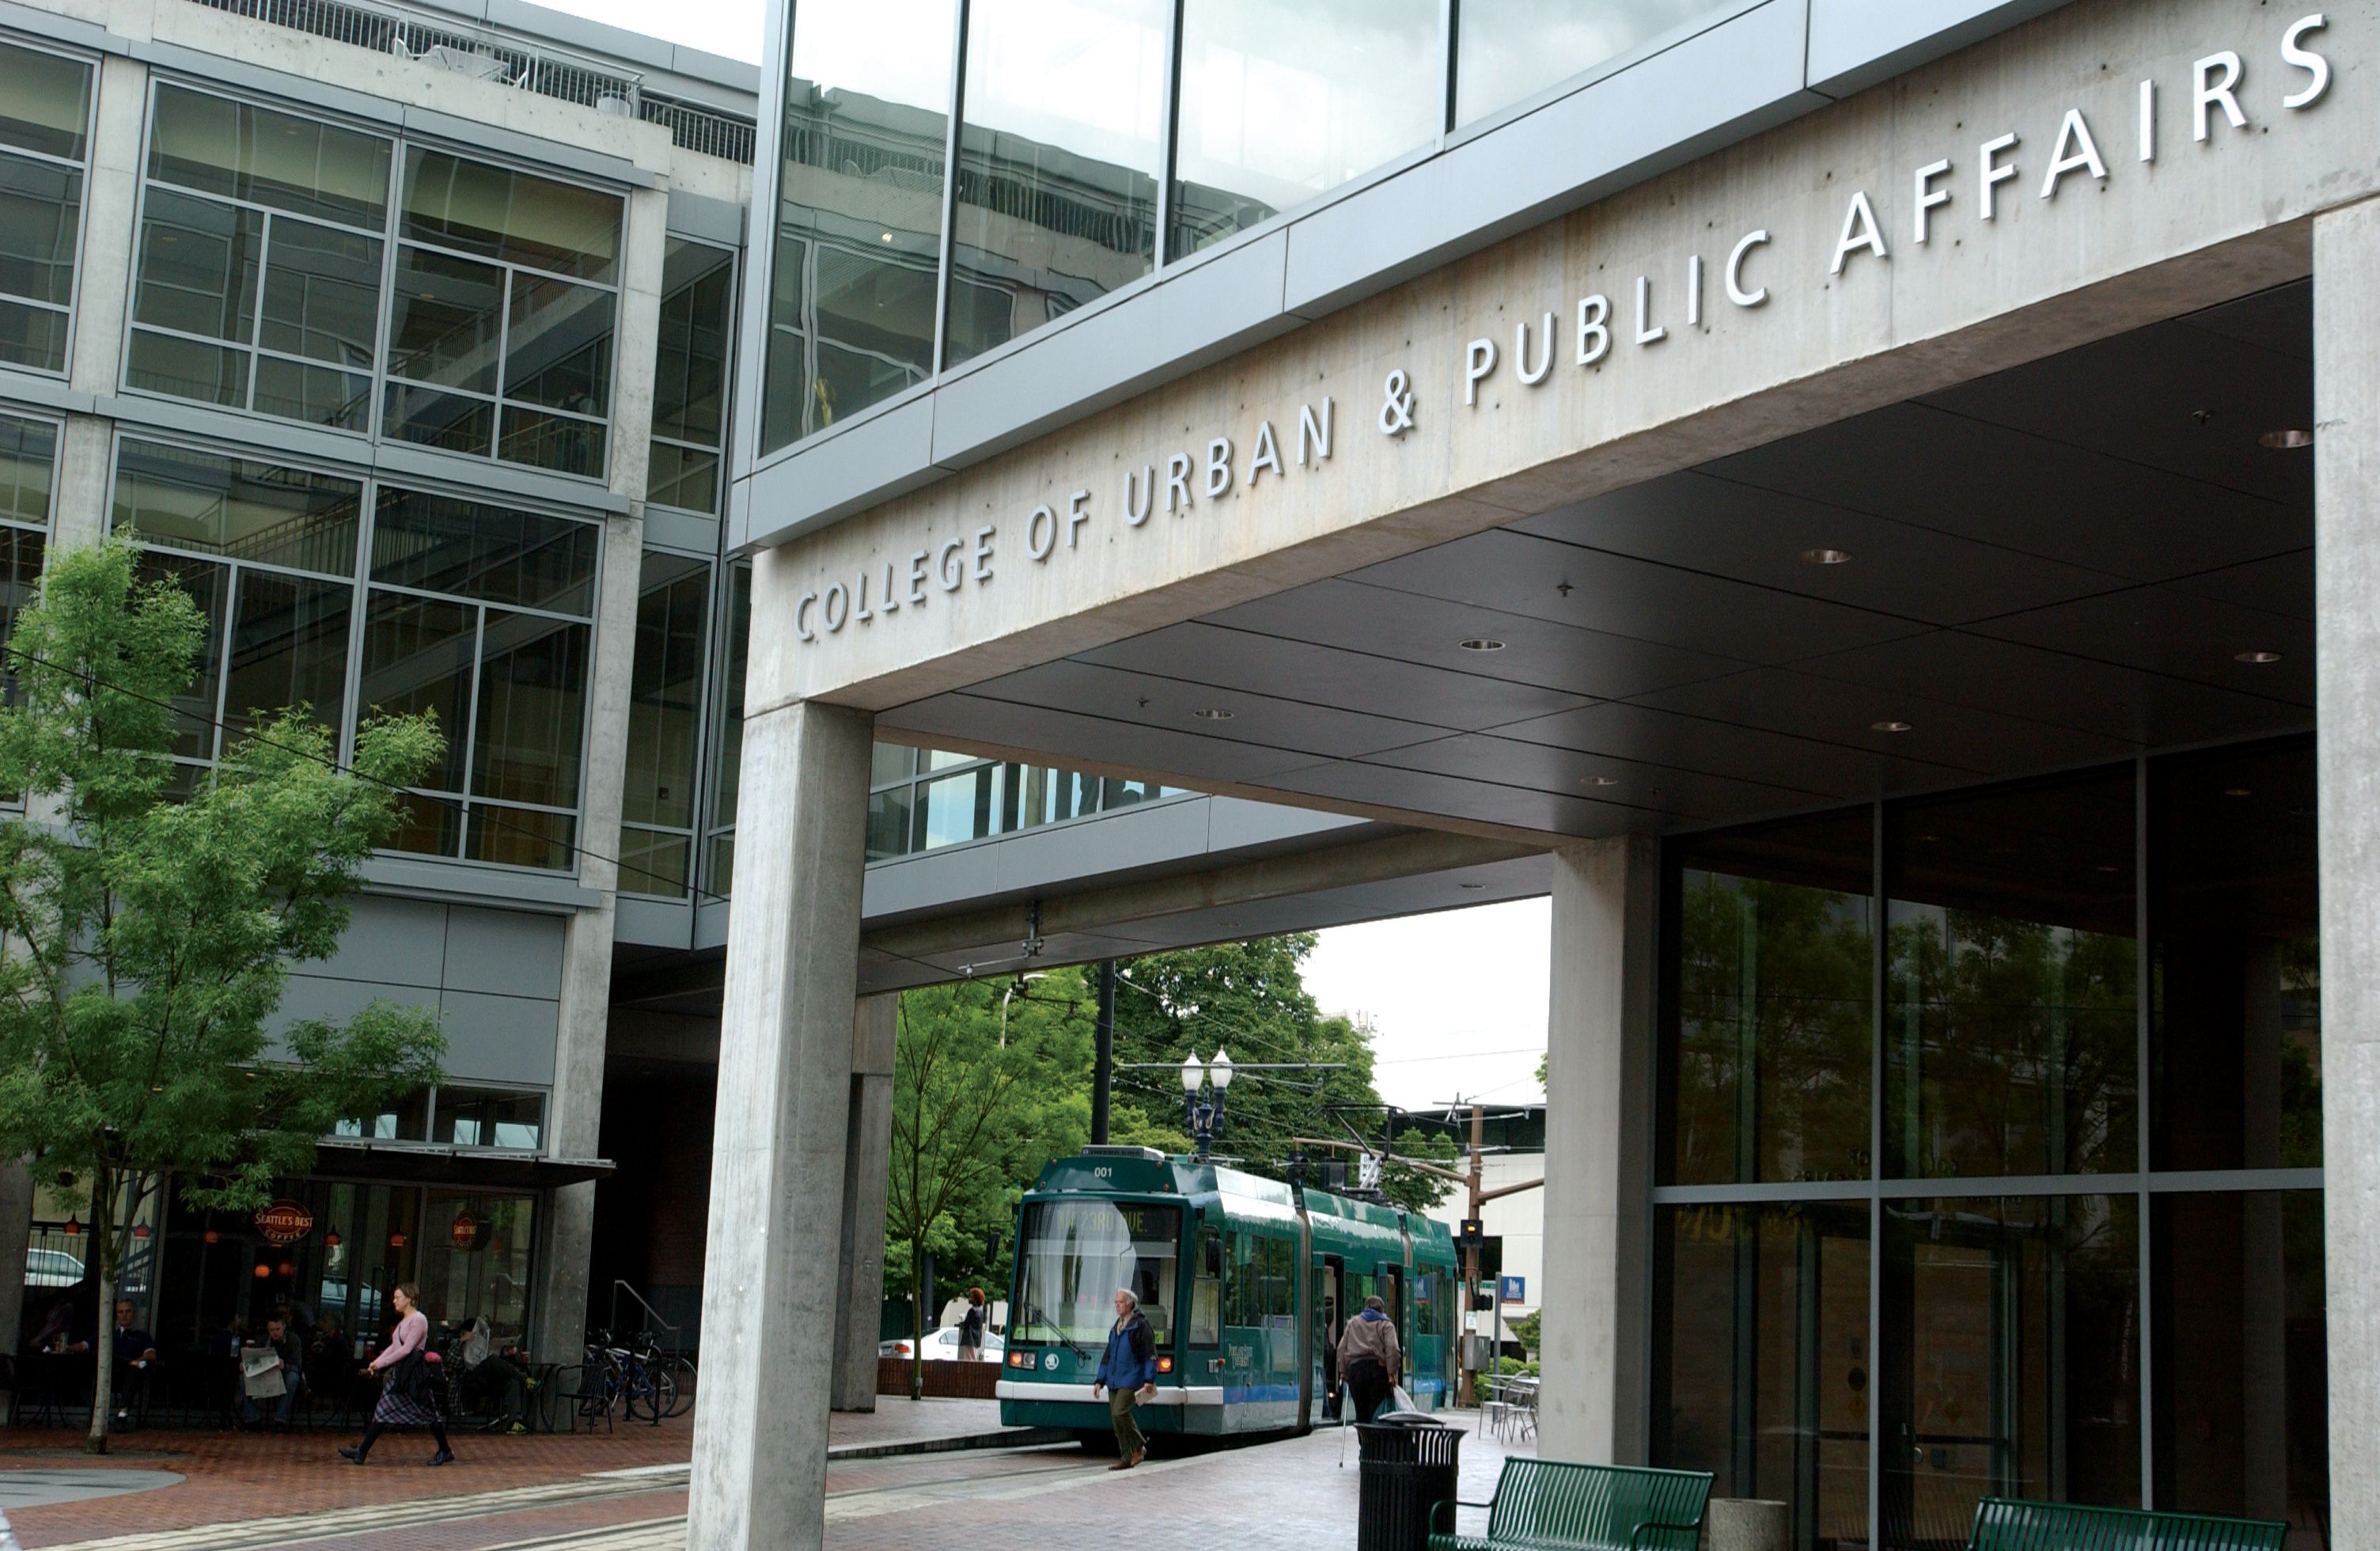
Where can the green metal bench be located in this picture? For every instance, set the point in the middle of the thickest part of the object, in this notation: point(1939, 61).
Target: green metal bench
point(2008, 1524)
point(1542, 1505)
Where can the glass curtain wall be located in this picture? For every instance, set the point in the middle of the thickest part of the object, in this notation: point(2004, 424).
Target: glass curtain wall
point(1953, 1209)
point(259, 256)
point(664, 726)
point(351, 598)
point(28, 453)
point(920, 799)
point(1506, 50)
point(690, 376)
point(44, 138)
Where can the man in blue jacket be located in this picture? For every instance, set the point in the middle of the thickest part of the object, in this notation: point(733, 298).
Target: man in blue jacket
point(1128, 1373)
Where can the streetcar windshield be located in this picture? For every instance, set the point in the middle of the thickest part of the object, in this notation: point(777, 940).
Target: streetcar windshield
point(1078, 1253)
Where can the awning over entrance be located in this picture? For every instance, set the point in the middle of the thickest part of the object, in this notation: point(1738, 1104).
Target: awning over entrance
point(411, 1163)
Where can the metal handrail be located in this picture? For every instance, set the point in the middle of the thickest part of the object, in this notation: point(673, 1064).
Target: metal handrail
point(652, 1315)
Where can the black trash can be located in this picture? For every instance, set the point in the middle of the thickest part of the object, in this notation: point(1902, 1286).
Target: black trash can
point(1409, 1466)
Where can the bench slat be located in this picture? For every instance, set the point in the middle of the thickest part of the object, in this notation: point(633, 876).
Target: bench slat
point(2012, 1524)
point(1546, 1503)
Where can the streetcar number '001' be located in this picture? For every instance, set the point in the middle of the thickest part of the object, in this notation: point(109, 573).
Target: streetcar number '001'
point(1102, 1173)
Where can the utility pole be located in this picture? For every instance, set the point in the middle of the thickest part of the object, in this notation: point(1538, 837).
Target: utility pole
point(1103, 1057)
point(1469, 1395)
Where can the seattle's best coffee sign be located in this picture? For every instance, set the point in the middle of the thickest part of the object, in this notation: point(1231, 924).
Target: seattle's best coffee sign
point(1972, 188)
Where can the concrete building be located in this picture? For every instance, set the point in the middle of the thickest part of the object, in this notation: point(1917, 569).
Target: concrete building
point(1851, 498)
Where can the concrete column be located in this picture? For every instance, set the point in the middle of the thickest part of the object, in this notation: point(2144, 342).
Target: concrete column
point(867, 1156)
point(2347, 749)
point(111, 194)
point(16, 1239)
point(778, 1145)
point(1599, 1148)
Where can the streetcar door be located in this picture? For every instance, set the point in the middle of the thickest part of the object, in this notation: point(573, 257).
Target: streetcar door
point(1330, 1300)
point(1392, 1296)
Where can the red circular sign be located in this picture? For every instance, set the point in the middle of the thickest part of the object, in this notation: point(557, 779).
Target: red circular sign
point(467, 1230)
point(285, 1222)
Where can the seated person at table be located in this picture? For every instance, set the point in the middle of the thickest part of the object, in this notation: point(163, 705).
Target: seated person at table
point(135, 1358)
point(282, 1343)
point(489, 1377)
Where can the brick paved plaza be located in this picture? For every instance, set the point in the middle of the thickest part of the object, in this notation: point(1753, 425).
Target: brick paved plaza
point(625, 1491)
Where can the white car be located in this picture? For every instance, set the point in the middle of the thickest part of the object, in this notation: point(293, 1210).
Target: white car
point(52, 1268)
point(942, 1346)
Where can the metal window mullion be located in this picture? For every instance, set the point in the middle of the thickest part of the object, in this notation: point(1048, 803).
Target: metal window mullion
point(360, 607)
point(2142, 1009)
point(503, 368)
point(760, 276)
point(222, 653)
point(472, 733)
point(255, 310)
point(1879, 985)
point(944, 246)
point(1169, 138)
point(383, 338)
point(1449, 22)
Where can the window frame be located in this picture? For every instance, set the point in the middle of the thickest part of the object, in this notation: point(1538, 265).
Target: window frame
point(729, 365)
point(32, 44)
point(695, 834)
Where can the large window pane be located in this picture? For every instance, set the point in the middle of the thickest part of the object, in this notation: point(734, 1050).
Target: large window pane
point(318, 394)
point(1765, 1379)
point(2010, 1359)
point(2011, 1035)
point(532, 710)
point(198, 266)
point(959, 808)
point(237, 509)
point(859, 211)
point(200, 140)
point(40, 208)
point(558, 350)
point(655, 862)
point(288, 648)
point(419, 653)
point(446, 321)
point(1058, 158)
point(1511, 49)
point(32, 337)
point(889, 821)
point(1770, 1063)
point(2236, 1044)
point(666, 692)
point(2242, 1420)
point(29, 450)
point(698, 326)
point(322, 294)
point(519, 837)
point(1282, 102)
point(44, 101)
point(727, 757)
point(520, 219)
point(186, 367)
point(207, 584)
point(440, 543)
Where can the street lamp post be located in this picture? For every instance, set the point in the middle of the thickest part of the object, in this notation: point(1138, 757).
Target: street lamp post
point(1206, 1117)
point(1036, 974)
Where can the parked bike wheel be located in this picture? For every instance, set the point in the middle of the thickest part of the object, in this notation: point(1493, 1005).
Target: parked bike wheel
point(654, 1396)
point(681, 1372)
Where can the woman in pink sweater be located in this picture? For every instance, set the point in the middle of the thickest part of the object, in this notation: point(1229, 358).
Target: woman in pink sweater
point(406, 1399)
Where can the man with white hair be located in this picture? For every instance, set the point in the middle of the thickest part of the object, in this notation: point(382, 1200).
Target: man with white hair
point(1128, 1373)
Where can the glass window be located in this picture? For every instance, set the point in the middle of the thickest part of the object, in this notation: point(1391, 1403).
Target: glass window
point(2011, 1358)
point(1207, 1290)
point(691, 378)
point(402, 1120)
point(1077, 1253)
point(891, 762)
point(1511, 49)
point(488, 1117)
point(288, 648)
point(441, 543)
point(1280, 101)
point(234, 509)
point(1769, 1060)
point(664, 723)
point(29, 450)
point(859, 217)
point(727, 759)
point(2235, 1043)
point(1059, 157)
point(2010, 1035)
point(44, 115)
point(2242, 1422)
point(255, 155)
point(496, 358)
point(475, 1260)
point(959, 808)
point(889, 822)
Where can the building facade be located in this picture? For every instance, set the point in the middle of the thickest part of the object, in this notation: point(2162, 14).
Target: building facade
point(1848, 498)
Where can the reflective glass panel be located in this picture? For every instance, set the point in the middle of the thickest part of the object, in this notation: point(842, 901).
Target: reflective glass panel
point(2009, 1032)
point(315, 394)
point(665, 691)
point(888, 820)
point(199, 260)
point(687, 478)
point(44, 101)
point(727, 762)
point(32, 336)
point(1511, 49)
point(419, 653)
point(322, 294)
point(959, 808)
point(2010, 1359)
point(22, 554)
point(288, 648)
point(1046, 797)
point(1764, 1376)
point(697, 329)
point(532, 710)
point(891, 762)
point(1059, 157)
point(243, 151)
point(558, 347)
point(654, 862)
point(488, 1117)
point(28, 455)
point(439, 543)
point(476, 1258)
point(186, 367)
point(2235, 1043)
point(546, 440)
point(1075, 1255)
point(40, 208)
point(520, 219)
point(194, 708)
point(2242, 1409)
point(519, 837)
point(1281, 102)
point(446, 321)
point(859, 215)
point(1769, 1063)
point(237, 509)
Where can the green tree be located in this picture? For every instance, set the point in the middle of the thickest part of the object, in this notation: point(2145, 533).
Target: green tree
point(979, 1104)
point(147, 942)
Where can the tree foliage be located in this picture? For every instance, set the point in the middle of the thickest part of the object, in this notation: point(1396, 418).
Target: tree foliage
point(149, 940)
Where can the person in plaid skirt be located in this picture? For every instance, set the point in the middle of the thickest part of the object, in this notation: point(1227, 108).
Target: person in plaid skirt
point(406, 1397)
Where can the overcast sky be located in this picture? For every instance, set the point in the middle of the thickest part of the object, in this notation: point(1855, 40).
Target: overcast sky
point(728, 27)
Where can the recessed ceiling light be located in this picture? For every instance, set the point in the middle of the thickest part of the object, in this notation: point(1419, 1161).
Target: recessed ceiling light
point(2259, 657)
point(1887, 726)
point(2286, 439)
point(884, 236)
point(1481, 643)
point(1471, 885)
point(1826, 557)
point(1211, 713)
point(1600, 781)
point(2237, 792)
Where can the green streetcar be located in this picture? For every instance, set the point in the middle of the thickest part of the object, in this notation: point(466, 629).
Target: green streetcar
point(1245, 1283)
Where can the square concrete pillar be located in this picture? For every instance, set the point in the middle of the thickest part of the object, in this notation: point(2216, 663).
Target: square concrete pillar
point(2346, 751)
point(779, 1143)
point(867, 1164)
point(1598, 1152)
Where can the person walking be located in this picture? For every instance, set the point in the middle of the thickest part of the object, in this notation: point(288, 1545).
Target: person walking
point(971, 1327)
point(1128, 1373)
point(1371, 1358)
point(406, 1399)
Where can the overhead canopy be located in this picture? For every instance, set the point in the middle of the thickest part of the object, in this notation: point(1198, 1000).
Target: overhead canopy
point(480, 1168)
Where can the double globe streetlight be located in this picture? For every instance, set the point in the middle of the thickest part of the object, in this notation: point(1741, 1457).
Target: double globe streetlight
point(1207, 1115)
